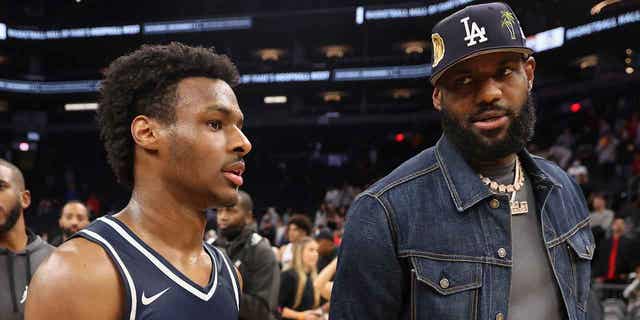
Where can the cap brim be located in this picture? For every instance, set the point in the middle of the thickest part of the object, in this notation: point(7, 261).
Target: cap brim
point(434, 78)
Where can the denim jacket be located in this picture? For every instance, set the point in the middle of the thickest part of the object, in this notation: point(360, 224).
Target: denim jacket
point(428, 241)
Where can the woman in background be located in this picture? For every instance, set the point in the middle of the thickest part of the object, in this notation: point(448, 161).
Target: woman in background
point(298, 299)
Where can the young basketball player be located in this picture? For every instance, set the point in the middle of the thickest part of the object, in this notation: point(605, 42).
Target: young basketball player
point(172, 129)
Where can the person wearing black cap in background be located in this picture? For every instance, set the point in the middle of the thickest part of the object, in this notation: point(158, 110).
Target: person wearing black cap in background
point(326, 248)
point(474, 227)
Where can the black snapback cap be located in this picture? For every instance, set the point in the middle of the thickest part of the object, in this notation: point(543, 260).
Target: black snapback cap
point(472, 31)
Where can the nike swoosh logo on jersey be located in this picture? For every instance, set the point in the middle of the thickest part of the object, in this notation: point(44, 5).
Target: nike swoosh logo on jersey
point(24, 294)
point(147, 301)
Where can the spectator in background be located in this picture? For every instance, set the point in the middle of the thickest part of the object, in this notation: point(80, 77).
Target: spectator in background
point(566, 139)
point(618, 256)
point(606, 151)
point(326, 248)
point(21, 250)
point(601, 216)
point(561, 150)
point(603, 127)
point(298, 298)
point(631, 213)
point(333, 197)
point(625, 154)
point(321, 220)
point(347, 194)
point(210, 236)
point(578, 172)
point(281, 232)
point(250, 220)
point(252, 255)
point(74, 217)
point(299, 226)
point(267, 229)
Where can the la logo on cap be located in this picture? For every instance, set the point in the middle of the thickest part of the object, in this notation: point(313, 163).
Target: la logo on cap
point(475, 32)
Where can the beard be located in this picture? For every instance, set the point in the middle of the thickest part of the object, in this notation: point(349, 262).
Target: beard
point(475, 147)
point(231, 232)
point(14, 214)
point(67, 232)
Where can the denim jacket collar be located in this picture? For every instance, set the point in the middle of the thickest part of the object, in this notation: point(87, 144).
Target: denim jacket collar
point(465, 187)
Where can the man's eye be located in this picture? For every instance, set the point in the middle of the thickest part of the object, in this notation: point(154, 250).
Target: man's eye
point(215, 125)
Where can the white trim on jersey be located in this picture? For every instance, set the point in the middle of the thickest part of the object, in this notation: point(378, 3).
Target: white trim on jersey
point(132, 287)
point(167, 272)
point(232, 276)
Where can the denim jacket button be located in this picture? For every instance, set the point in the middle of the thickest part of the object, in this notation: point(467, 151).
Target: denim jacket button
point(494, 203)
point(444, 283)
point(502, 253)
point(499, 316)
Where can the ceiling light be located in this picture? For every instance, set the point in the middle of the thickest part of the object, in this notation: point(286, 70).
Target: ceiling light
point(401, 93)
point(275, 99)
point(587, 61)
point(629, 70)
point(412, 47)
point(627, 60)
point(80, 106)
point(601, 5)
point(628, 51)
point(270, 54)
point(333, 96)
point(335, 51)
point(23, 146)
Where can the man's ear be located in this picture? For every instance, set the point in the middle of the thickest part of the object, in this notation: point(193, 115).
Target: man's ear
point(25, 199)
point(437, 98)
point(145, 132)
point(529, 70)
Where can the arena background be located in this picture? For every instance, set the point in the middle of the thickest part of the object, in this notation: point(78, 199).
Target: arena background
point(335, 93)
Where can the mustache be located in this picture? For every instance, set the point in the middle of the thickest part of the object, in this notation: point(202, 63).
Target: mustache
point(482, 108)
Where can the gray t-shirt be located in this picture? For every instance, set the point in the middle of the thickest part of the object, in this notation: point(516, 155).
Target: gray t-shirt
point(601, 219)
point(534, 292)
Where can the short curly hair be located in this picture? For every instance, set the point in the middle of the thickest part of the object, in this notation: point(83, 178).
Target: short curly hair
point(144, 82)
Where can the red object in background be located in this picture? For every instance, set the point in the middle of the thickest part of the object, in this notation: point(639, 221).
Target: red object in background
point(399, 137)
point(575, 107)
point(93, 203)
point(611, 271)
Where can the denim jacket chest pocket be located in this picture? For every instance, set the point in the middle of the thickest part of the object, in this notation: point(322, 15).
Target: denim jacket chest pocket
point(442, 289)
point(580, 248)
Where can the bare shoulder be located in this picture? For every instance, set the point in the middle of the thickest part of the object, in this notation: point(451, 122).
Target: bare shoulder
point(77, 281)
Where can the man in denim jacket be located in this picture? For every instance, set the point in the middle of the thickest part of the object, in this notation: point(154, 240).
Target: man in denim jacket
point(474, 227)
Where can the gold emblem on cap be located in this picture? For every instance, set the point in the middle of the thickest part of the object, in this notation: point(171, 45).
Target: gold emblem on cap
point(509, 21)
point(438, 48)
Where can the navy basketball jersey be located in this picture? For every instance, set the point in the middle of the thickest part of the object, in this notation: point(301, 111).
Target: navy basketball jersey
point(157, 290)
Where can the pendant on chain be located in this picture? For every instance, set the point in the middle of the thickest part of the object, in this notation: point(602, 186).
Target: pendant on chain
point(519, 207)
